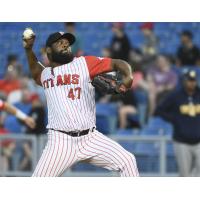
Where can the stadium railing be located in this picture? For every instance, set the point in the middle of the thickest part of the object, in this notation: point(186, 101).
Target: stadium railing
point(19, 140)
point(38, 143)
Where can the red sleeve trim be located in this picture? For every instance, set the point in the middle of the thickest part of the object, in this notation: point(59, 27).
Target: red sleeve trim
point(97, 65)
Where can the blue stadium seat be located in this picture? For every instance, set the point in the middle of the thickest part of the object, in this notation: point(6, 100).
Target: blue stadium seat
point(160, 126)
point(106, 118)
point(103, 124)
point(148, 148)
point(106, 109)
point(12, 124)
point(128, 145)
point(96, 36)
point(147, 156)
point(128, 132)
point(152, 131)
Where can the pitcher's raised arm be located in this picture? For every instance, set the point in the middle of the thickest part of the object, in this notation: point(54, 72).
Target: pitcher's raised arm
point(35, 67)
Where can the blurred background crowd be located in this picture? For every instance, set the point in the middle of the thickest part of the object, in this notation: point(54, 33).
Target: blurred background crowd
point(159, 54)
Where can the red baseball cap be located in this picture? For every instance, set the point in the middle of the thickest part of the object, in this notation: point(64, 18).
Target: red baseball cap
point(34, 97)
point(147, 25)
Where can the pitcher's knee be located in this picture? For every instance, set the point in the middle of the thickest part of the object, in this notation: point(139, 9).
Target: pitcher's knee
point(130, 165)
point(132, 160)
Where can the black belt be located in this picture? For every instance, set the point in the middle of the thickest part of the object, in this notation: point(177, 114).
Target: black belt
point(74, 133)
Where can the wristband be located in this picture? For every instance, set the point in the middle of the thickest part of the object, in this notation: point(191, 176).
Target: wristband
point(20, 115)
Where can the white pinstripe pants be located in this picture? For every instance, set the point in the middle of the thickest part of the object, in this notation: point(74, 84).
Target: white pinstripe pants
point(62, 151)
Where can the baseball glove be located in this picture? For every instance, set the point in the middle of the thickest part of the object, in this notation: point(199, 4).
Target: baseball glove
point(109, 84)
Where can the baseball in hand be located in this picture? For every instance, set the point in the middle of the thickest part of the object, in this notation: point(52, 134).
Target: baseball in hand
point(28, 33)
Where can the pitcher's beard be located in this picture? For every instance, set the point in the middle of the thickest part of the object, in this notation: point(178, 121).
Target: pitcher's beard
point(62, 58)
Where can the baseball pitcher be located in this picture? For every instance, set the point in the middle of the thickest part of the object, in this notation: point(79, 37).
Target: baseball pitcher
point(72, 135)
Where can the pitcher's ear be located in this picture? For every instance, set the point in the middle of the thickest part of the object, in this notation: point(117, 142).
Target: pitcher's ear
point(48, 50)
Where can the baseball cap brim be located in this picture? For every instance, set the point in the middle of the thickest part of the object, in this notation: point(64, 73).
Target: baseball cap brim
point(70, 37)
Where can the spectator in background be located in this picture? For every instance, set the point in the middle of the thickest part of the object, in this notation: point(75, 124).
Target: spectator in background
point(161, 80)
point(16, 95)
point(13, 63)
point(139, 81)
point(18, 113)
point(188, 54)
point(140, 90)
point(38, 114)
point(77, 46)
point(120, 45)
point(136, 59)
point(182, 109)
point(150, 46)
point(8, 146)
point(106, 52)
point(25, 84)
point(28, 83)
point(127, 106)
point(24, 105)
point(11, 81)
